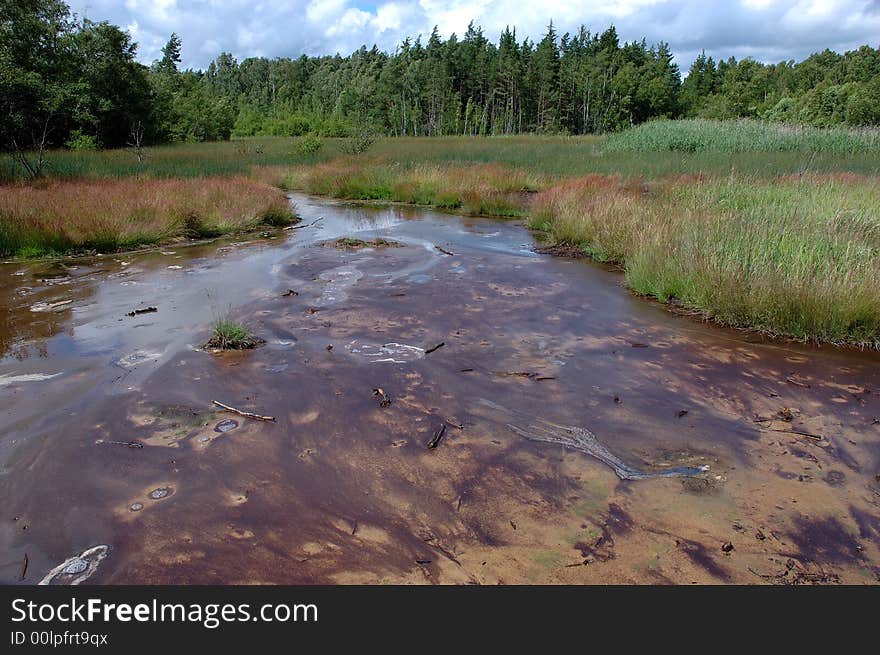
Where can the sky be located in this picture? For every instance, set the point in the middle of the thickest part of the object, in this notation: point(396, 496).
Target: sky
point(767, 30)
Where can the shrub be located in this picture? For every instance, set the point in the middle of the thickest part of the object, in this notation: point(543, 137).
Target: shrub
point(80, 141)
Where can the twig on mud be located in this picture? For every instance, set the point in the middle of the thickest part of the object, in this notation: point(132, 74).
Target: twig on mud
point(435, 544)
point(24, 567)
point(302, 227)
point(438, 436)
point(816, 437)
point(384, 398)
point(245, 414)
point(445, 252)
point(435, 348)
point(127, 444)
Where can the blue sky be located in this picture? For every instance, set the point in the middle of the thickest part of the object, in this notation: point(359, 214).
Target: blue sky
point(768, 30)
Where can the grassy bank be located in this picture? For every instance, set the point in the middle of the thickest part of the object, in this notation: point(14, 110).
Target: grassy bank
point(59, 217)
point(798, 256)
point(482, 189)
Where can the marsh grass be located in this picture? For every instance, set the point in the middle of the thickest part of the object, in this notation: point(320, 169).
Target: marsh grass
point(59, 217)
point(480, 189)
point(175, 161)
point(635, 152)
point(742, 136)
point(227, 334)
point(798, 257)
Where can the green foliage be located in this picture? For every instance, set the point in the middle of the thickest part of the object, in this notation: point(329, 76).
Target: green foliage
point(80, 141)
point(59, 75)
point(308, 145)
point(360, 142)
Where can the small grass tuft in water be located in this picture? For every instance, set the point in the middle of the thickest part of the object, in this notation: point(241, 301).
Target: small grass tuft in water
point(350, 243)
point(231, 335)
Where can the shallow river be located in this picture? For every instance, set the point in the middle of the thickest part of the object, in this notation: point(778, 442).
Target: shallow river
point(582, 434)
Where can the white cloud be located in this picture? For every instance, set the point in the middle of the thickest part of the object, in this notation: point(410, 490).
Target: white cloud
point(769, 30)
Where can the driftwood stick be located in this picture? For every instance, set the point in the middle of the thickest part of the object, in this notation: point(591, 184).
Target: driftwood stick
point(816, 437)
point(302, 227)
point(245, 414)
point(24, 567)
point(438, 435)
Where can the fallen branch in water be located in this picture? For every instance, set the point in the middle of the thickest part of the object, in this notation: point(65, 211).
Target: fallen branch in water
point(127, 444)
point(438, 436)
point(245, 414)
point(146, 310)
point(302, 227)
point(437, 347)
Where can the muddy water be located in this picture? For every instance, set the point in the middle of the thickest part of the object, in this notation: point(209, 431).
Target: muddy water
point(582, 435)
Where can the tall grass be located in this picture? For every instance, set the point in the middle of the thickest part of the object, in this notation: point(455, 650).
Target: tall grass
point(485, 189)
point(742, 136)
point(106, 215)
point(182, 160)
point(798, 256)
point(626, 154)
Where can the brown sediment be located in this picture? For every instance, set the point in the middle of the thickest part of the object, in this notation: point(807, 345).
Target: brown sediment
point(340, 489)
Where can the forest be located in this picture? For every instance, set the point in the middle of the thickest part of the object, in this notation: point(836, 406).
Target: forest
point(70, 82)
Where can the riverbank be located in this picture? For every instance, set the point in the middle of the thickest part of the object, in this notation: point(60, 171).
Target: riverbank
point(794, 256)
point(69, 217)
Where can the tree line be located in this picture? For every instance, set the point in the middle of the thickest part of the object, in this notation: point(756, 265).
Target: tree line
point(67, 81)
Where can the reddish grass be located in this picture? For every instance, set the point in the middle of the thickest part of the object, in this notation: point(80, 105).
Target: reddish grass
point(490, 189)
point(110, 215)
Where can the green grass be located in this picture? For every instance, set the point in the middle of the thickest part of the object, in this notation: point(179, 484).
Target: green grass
point(227, 334)
point(182, 160)
point(483, 189)
point(794, 257)
point(742, 136)
point(654, 149)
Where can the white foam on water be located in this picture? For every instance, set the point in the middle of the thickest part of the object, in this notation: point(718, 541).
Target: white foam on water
point(6, 380)
point(388, 353)
point(49, 306)
point(138, 357)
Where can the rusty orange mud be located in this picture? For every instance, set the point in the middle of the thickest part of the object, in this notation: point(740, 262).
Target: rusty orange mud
point(579, 434)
